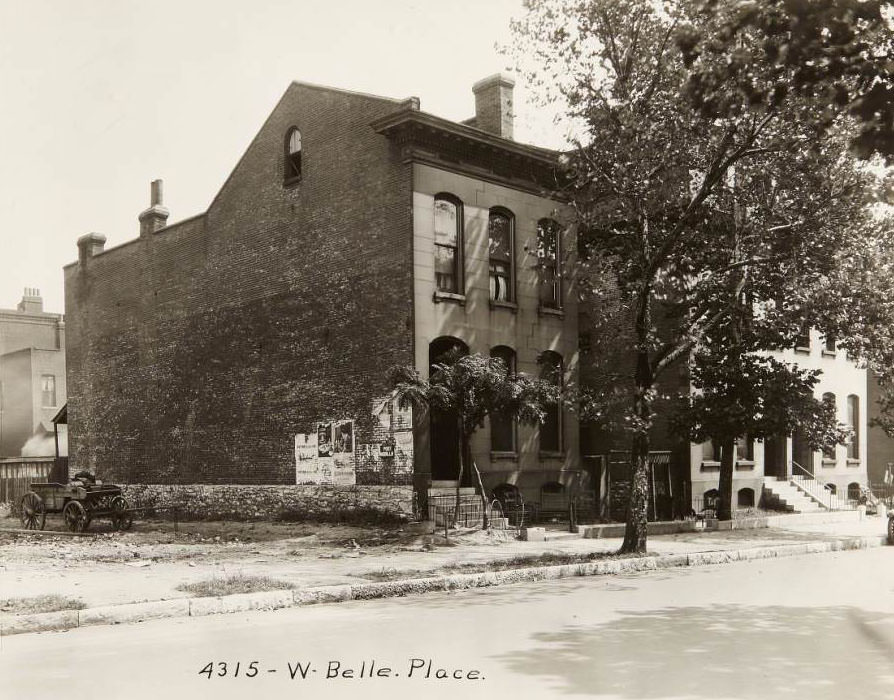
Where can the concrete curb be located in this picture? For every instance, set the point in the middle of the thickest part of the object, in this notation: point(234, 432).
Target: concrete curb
point(273, 600)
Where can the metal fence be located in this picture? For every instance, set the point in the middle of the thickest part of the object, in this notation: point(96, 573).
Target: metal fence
point(17, 474)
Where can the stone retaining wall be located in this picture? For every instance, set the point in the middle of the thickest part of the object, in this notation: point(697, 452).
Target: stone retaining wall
point(238, 502)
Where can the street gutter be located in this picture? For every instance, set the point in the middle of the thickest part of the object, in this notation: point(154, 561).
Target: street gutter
point(273, 600)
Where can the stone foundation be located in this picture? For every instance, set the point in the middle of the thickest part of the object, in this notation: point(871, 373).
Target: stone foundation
point(328, 503)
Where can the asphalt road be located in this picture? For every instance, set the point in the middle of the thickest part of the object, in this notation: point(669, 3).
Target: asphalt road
point(819, 626)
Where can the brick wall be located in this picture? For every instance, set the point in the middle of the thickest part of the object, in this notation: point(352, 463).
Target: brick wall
point(196, 354)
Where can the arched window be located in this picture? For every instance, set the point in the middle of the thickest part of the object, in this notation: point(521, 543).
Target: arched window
point(829, 450)
point(548, 242)
point(551, 428)
point(745, 498)
point(448, 230)
point(293, 155)
point(853, 422)
point(502, 427)
point(501, 246)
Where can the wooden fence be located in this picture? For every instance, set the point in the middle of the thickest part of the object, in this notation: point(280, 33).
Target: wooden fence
point(17, 473)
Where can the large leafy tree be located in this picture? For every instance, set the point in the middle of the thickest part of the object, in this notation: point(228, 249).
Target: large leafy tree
point(467, 389)
point(687, 200)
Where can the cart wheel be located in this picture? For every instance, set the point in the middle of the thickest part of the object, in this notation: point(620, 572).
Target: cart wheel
point(34, 513)
point(75, 516)
point(121, 519)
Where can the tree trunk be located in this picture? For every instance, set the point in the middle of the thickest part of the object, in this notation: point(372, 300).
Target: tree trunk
point(727, 461)
point(484, 521)
point(637, 516)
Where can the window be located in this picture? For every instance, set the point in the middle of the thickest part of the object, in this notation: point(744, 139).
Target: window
point(293, 155)
point(548, 240)
point(802, 342)
point(502, 428)
point(744, 449)
point(711, 451)
point(551, 428)
point(853, 422)
point(745, 498)
point(448, 244)
point(501, 247)
point(829, 450)
point(830, 345)
point(48, 390)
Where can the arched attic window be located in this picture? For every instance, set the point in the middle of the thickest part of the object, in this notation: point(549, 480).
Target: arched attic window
point(293, 156)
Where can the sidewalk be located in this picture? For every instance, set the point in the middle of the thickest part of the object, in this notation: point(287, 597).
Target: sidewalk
point(139, 579)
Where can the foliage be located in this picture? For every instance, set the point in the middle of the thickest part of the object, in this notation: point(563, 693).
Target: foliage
point(837, 53)
point(694, 199)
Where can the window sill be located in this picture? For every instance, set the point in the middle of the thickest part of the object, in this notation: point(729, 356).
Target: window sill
point(506, 456)
point(511, 305)
point(829, 463)
point(745, 464)
point(710, 466)
point(551, 455)
point(438, 297)
point(802, 350)
point(853, 463)
point(551, 311)
point(829, 353)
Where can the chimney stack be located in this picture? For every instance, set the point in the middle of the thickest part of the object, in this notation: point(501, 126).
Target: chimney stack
point(89, 245)
point(32, 302)
point(156, 216)
point(493, 104)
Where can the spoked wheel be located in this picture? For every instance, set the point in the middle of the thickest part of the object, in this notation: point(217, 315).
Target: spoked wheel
point(34, 513)
point(75, 516)
point(121, 519)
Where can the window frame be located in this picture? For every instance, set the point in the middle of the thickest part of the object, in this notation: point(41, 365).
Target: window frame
point(510, 300)
point(828, 453)
point(292, 170)
point(44, 391)
point(458, 247)
point(505, 352)
point(853, 419)
point(543, 225)
point(558, 369)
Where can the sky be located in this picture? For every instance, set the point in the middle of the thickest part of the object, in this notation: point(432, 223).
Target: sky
point(100, 97)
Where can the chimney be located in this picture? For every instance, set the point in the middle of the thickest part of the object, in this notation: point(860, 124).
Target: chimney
point(89, 245)
point(493, 104)
point(32, 302)
point(156, 216)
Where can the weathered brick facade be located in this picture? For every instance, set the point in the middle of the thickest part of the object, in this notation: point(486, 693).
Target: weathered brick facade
point(197, 352)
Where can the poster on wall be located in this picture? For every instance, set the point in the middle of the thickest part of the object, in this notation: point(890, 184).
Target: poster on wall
point(344, 436)
point(344, 471)
point(306, 459)
point(324, 439)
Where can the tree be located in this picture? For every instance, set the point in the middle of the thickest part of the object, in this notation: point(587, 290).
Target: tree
point(468, 389)
point(662, 177)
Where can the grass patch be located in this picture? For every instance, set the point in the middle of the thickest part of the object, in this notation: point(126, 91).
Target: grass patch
point(235, 583)
point(40, 604)
point(525, 561)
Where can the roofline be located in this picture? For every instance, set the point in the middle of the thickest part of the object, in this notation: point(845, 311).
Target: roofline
point(355, 93)
point(137, 240)
point(408, 115)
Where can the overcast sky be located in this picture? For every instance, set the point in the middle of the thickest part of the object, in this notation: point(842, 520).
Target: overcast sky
point(99, 97)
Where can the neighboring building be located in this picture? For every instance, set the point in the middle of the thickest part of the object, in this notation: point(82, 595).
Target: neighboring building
point(250, 344)
point(842, 470)
point(880, 447)
point(32, 377)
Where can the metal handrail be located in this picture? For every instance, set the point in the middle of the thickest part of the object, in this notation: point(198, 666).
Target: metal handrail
point(835, 501)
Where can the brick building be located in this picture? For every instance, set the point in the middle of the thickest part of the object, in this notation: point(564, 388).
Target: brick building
point(249, 344)
point(32, 377)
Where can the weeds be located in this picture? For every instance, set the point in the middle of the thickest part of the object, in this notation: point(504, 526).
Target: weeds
point(235, 583)
point(40, 604)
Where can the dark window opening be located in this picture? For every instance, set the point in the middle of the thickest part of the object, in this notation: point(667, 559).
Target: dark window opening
point(502, 427)
point(551, 428)
point(501, 253)
point(293, 156)
point(448, 244)
point(548, 241)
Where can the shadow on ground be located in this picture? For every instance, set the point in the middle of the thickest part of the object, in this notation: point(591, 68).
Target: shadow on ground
point(730, 651)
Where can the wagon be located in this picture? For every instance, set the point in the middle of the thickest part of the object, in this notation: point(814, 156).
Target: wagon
point(79, 502)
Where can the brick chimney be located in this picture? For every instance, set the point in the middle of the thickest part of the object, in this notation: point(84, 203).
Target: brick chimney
point(89, 245)
point(156, 216)
point(32, 302)
point(493, 104)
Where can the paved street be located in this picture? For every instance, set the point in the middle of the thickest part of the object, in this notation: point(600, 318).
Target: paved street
point(819, 626)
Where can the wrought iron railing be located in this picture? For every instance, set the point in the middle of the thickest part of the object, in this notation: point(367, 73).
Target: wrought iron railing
point(821, 491)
